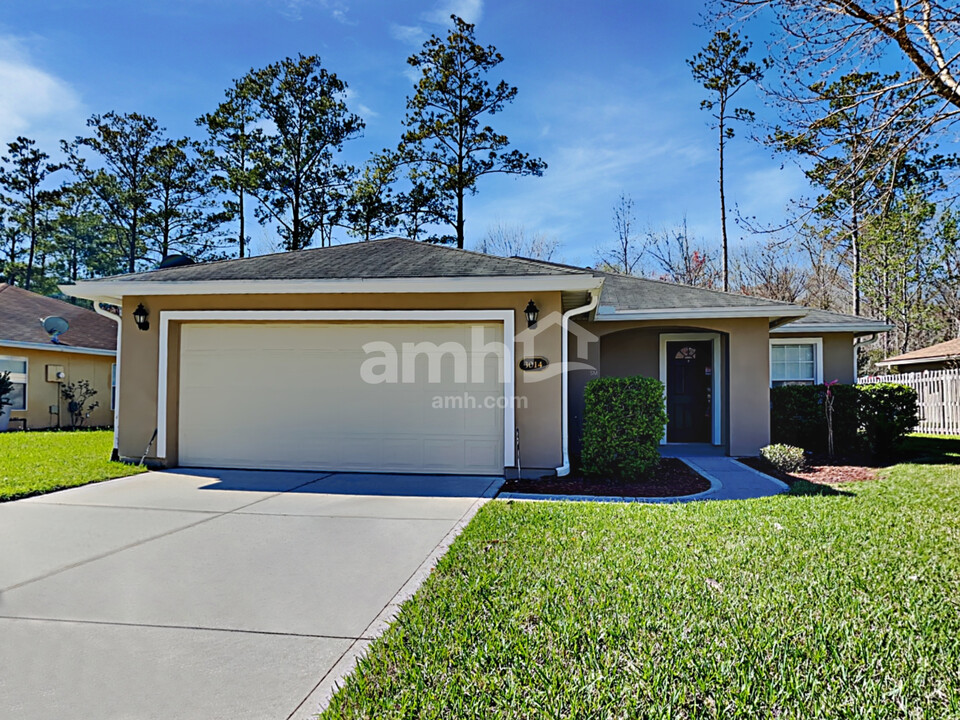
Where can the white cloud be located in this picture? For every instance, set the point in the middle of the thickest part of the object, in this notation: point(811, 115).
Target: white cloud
point(34, 102)
point(408, 34)
point(467, 10)
point(293, 9)
point(352, 98)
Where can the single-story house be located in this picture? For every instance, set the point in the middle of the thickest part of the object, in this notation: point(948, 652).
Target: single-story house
point(395, 355)
point(942, 356)
point(41, 360)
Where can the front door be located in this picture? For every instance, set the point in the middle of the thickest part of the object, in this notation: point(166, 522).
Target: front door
point(689, 391)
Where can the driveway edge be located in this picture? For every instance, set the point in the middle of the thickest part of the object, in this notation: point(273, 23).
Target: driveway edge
point(319, 698)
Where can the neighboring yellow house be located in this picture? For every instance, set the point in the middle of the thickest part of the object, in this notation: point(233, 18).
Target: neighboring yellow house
point(40, 364)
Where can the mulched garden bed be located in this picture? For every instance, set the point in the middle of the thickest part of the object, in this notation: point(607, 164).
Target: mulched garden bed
point(819, 470)
point(672, 478)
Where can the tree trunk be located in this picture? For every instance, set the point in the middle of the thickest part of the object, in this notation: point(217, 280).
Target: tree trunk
point(723, 217)
point(855, 250)
point(242, 225)
point(132, 260)
point(33, 243)
point(460, 233)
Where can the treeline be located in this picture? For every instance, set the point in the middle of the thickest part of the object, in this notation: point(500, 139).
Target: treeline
point(125, 195)
point(879, 233)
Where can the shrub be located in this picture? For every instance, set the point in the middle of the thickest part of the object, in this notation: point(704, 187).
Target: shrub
point(887, 413)
point(623, 424)
point(785, 458)
point(6, 388)
point(798, 417)
point(78, 396)
point(875, 417)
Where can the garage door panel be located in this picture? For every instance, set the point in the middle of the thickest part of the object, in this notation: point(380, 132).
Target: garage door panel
point(291, 395)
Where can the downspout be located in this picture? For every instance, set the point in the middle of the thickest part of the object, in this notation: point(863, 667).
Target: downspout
point(116, 389)
point(564, 469)
point(857, 344)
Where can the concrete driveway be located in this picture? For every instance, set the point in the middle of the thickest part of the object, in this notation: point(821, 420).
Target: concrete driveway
point(210, 594)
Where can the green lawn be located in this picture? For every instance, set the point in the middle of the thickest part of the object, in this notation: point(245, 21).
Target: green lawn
point(799, 606)
point(32, 463)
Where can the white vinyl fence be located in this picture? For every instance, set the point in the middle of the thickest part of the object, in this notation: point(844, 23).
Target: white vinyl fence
point(938, 395)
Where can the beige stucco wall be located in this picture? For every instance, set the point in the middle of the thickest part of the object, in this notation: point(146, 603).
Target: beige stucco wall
point(538, 415)
point(633, 348)
point(42, 394)
point(837, 354)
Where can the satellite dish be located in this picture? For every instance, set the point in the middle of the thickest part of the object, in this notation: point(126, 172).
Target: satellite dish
point(171, 261)
point(55, 327)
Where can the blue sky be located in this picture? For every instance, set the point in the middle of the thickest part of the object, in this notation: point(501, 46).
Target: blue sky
point(605, 96)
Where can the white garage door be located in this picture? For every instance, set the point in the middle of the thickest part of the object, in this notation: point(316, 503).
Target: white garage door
point(425, 397)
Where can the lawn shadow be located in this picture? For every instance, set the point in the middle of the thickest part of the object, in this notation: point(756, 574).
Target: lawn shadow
point(930, 450)
point(801, 487)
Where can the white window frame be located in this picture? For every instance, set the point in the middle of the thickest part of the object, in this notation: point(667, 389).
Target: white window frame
point(113, 386)
point(817, 355)
point(14, 378)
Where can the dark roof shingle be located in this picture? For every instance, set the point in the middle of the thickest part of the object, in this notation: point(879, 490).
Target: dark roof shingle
point(21, 312)
point(627, 292)
point(376, 259)
point(816, 318)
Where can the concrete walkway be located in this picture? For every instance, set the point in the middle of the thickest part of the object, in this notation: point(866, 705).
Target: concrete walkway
point(736, 480)
point(211, 594)
point(729, 480)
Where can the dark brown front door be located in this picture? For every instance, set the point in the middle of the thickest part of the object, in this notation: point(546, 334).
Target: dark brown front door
point(689, 391)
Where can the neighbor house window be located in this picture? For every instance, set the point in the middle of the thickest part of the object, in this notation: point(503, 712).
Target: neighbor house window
point(113, 386)
point(796, 361)
point(17, 367)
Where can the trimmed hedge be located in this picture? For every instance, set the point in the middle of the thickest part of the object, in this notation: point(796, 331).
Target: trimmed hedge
point(888, 412)
point(623, 424)
point(797, 417)
point(865, 417)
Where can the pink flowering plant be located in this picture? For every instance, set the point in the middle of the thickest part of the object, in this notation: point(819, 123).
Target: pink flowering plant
point(828, 410)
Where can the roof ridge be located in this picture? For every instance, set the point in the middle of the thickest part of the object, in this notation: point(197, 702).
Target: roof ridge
point(342, 246)
point(511, 258)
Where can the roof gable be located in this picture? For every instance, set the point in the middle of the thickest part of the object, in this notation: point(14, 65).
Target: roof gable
point(21, 312)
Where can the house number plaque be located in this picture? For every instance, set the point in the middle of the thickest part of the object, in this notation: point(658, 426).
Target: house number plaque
point(533, 363)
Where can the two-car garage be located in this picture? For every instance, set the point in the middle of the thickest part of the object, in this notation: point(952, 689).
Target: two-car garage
point(357, 395)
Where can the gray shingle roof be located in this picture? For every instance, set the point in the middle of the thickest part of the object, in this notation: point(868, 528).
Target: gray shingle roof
point(387, 258)
point(825, 318)
point(21, 311)
point(626, 292)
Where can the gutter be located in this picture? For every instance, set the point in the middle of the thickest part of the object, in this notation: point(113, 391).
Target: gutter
point(872, 328)
point(564, 469)
point(116, 400)
point(789, 313)
point(57, 348)
point(857, 344)
point(111, 291)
